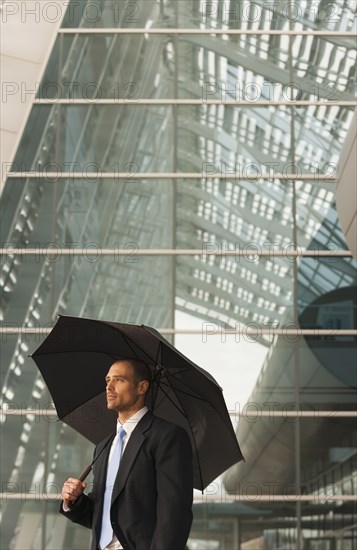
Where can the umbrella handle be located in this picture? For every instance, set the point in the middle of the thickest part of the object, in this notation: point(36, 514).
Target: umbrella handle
point(88, 468)
point(85, 472)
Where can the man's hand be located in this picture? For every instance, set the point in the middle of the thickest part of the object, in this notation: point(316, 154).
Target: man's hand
point(72, 489)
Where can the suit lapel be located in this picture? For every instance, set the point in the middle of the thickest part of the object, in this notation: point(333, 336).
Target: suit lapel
point(135, 442)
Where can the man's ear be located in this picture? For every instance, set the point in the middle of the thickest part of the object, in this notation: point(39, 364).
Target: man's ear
point(143, 386)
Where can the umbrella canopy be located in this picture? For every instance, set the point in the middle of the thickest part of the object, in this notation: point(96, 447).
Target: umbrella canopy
point(75, 358)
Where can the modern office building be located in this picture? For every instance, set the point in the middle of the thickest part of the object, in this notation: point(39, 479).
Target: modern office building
point(186, 155)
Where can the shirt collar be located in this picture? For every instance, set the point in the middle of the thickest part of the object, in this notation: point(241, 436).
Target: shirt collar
point(131, 423)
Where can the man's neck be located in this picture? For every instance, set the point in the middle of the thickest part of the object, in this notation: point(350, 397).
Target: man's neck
point(123, 416)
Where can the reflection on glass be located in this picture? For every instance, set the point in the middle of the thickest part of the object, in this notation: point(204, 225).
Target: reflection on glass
point(111, 67)
point(96, 286)
point(208, 67)
point(41, 526)
point(210, 15)
point(95, 139)
point(255, 525)
point(327, 286)
point(224, 138)
point(329, 455)
point(140, 217)
point(47, 447)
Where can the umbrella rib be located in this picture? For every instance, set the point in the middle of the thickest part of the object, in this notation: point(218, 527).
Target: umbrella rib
point(200, 397)
point(156, 374)
point(79, 351)
point(174, 404)
point(130, 342)
point(190, 370)
point(188, 422)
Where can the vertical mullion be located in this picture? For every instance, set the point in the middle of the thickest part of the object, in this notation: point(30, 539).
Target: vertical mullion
point(174, 169)
point(296, 354)
point(51, 302)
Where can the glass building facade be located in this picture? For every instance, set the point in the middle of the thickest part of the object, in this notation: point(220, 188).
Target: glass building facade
point(182, 156)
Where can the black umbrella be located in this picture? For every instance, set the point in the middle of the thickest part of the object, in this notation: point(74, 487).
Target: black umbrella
point(74, 360)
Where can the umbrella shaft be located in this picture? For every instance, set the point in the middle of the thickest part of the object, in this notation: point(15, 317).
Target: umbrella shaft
point(85, 472)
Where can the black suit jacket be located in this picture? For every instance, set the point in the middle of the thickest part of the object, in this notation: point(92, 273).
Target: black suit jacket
point(152, 496)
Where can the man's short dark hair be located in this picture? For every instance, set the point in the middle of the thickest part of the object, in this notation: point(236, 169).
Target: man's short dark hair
point(141, 370)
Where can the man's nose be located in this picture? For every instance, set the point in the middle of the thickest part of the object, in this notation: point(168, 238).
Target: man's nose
point(109, 385)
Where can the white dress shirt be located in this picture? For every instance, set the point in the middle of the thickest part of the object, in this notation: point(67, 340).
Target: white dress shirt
point(129, 426)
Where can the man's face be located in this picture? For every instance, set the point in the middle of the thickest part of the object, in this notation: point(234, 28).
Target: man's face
point(122, 391)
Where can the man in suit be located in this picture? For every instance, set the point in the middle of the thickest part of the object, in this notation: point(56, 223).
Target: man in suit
point(149, 504)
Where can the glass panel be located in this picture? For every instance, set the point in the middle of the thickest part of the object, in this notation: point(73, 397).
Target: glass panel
point(128, 66)
point(267, 444)
point(207, 14)
point(233, 284)
point(329, 454)
point(37, 524)
point(23, 385)
point(206, 286)
point(96, 138)
point(92, 286)
point(253, 68)
point(272, 526)
point(229, 138)
point(317, 222)
point(315, 127)
point(227, 291)
point(326, 286)
point(327, 373)
point(234, 214)
point(327, 294)
point(324, 69)
point(141, 217)
point(38, 445)
point(86, 140)
point(109, 66)
point(134, 66)
point(120, 14)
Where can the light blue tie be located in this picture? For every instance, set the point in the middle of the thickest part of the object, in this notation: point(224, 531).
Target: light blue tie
point(113, 465)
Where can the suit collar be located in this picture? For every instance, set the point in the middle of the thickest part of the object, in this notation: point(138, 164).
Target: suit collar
point(131, 423)
point(145, 423)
